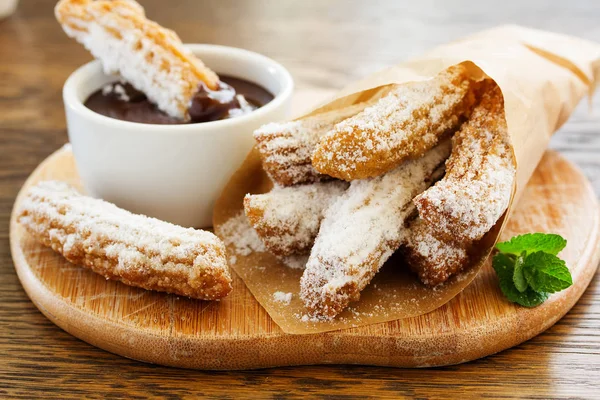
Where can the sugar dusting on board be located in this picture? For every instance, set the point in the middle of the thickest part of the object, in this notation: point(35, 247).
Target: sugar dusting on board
point(281, 297)
point(238, 233)
point(241, 236)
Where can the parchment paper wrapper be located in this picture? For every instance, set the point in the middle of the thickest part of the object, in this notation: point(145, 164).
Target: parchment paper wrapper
point(542, 75)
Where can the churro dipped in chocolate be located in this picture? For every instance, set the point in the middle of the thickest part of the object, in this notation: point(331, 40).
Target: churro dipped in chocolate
point(404, 124)
point(287, 219)
point(134, 249)
point(480, 172)
point(361, 230)
point(286, 147)
point(148, 56)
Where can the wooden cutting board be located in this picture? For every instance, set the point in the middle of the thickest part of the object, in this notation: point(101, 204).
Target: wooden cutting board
point(237, 333)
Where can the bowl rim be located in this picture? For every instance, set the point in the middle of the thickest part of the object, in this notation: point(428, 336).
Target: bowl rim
point(72, 101)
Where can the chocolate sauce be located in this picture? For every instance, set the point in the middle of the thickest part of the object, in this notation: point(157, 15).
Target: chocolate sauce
point(235, 97)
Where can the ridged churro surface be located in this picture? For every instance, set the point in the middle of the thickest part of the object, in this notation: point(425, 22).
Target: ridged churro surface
point(406, 123)
point(480, 172)
point(432, 259)
point(134, 249)
point(287, 219)
point(286, 147)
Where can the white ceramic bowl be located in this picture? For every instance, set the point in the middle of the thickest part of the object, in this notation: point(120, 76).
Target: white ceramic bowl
point(174, 173)
point(7, 7)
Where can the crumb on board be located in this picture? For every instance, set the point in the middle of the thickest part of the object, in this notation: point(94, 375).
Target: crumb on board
point(281, 297)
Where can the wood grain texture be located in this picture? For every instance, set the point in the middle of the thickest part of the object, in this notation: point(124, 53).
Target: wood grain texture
point(324, 44)
point(237, 333)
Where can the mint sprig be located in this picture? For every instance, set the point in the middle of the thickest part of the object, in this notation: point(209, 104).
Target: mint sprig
point(505, 268)
point(518, 276)
point(529, 270)
point(531, 242)
point(546, 273)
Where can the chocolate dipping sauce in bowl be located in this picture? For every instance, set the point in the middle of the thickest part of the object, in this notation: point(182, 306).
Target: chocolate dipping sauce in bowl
point(130, 153)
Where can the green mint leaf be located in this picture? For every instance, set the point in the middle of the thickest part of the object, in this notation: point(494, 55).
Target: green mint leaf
point(546, 273)
point(532, 242)
point(518, 277)
point(504, 265)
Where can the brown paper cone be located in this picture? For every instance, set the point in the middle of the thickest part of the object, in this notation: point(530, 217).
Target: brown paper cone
point(542, 76)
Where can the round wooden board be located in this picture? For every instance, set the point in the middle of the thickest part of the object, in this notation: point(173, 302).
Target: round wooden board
point(237, 333)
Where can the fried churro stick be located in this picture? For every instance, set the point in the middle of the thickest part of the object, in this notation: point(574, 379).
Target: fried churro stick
point(433, 260)
point(287, 219)
point(404, 124)
point(286, 148)
point(134, 249)
point(361, 230)
point(480, 173)
point(145, 54)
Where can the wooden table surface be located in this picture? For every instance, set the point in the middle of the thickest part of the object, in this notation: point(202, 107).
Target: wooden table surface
point(324, 44)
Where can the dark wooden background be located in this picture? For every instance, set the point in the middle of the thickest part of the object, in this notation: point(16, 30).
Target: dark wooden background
point(325, 44)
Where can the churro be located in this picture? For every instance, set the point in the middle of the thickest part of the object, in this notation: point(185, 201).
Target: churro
point(148, 56)
point(287, 219)
point(432, 259)
point(286, 147)
point(361, 230)
point(406, 123)
point(480, 172)
point(134, 249)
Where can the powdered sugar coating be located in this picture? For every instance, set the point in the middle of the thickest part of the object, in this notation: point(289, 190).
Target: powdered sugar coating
point(432, 259)
point(240, 235)
point(477, 187)
point(404, 124)
point(134, 249)
point(286, 147)
point(296, 261)
point(148, 56)
point(284, 298)
point(287, 219)
point(360, 231)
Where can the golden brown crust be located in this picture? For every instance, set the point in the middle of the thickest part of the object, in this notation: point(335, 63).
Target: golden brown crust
point(480, 172)
point(286, 147)
point(287, 219)
point(134, 249)
point(404, 124)
point(433, 260)
point(466, 203)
